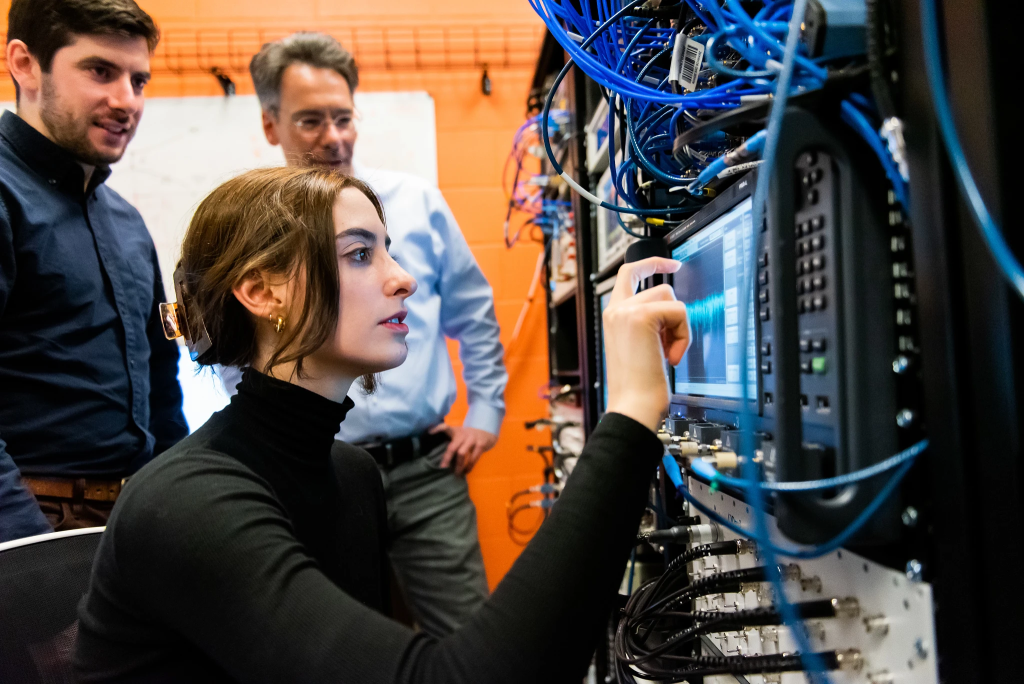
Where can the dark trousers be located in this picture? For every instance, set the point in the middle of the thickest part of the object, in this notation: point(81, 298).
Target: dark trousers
point(435, 549)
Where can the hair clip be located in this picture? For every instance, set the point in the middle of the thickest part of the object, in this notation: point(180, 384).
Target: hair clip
point(182, 319)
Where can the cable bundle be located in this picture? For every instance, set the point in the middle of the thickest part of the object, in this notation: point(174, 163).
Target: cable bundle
point(656, 638)
point(635, 53)
point(549, 495)
point(527, 192)
point(673, 144)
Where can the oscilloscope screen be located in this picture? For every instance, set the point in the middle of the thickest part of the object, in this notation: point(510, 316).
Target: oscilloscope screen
point(709, 284)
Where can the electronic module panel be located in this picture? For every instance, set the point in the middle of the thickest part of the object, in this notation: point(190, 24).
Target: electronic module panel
point(612, 240)
point(846, 333)
point(836, 318)
point(876, 620)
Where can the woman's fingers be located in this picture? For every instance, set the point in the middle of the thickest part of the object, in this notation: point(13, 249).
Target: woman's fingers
point(631, 274)
point(674, 326)
point(676, 331)
point(658, 293)
point(640, 332)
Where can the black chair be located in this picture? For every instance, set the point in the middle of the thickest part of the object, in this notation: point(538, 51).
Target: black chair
point(42, 580)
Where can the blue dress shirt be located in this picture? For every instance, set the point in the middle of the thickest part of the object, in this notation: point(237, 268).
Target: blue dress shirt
point(89, 383)
point(453, 300)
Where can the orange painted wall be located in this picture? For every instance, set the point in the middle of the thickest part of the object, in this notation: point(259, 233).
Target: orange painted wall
point(474, 134)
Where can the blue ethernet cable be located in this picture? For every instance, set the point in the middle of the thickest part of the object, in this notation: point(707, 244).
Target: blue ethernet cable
point(859, 123)
point(628, 50)
point(695, 6)
point(644, 162)
point(600, 69)
point(751, 147)
point(755, 496)
point(603, 73)
point(547, 141)
point(744, 20)
point(991, 235)
point(569, 179)
point(708, 472)
point(765, 542)
point(716, 64)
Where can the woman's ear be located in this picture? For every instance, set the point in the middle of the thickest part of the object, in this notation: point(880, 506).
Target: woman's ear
point(259, 296)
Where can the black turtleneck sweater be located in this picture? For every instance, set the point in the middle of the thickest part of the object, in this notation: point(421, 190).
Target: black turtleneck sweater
point(254, 551)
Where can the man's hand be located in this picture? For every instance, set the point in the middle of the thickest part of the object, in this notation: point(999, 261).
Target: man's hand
point(467, 446)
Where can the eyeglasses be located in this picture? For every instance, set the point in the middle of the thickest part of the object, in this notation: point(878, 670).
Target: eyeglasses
point(315, 124)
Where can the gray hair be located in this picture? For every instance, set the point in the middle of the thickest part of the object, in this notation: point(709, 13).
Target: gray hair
point(305, 47)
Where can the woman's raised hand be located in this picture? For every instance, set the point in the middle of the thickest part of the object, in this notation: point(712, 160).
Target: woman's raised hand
point(641, 331)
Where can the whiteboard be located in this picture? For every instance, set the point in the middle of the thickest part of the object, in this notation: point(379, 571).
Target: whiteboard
point(187, 146)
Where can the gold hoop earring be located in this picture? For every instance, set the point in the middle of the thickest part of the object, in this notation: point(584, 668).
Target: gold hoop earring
point(279, 325)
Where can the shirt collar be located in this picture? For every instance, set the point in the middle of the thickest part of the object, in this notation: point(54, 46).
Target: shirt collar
point(48, 159)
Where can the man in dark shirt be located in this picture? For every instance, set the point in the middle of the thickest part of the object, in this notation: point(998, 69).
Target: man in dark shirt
point(88, 384)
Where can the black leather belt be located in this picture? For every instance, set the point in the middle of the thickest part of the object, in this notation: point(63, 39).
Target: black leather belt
point(395, 452)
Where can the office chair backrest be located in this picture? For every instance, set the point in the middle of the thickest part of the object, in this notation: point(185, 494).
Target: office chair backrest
point(42, 579)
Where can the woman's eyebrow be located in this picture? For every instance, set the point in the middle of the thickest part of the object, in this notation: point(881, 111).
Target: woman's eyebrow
point(363, 233)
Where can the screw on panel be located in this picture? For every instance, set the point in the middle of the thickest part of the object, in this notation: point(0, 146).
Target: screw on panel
point(849, 660)
point(900, 364)
point(846, 608)
point(877, 624)
point(909, 516)
point(811, 584)
point(905, 418)
point(914, 570)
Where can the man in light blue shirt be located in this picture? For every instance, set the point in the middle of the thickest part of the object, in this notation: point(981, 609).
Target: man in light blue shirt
point(305, 84)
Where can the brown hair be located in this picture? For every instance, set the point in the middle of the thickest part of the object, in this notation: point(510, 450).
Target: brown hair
point(46, 26)
point(273, 220)
point(305, 47)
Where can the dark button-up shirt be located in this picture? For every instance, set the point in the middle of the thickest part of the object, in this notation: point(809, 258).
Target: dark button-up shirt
point(88, 383)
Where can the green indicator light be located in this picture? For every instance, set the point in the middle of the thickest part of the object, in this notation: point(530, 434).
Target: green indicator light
point(818, 364)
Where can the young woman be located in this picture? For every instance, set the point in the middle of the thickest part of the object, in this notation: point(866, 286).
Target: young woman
point(255, 550)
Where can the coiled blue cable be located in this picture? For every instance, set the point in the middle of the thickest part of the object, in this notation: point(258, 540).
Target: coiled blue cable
point(708, 472)
point(754, 494)
point(547, 140)
point(765, 542)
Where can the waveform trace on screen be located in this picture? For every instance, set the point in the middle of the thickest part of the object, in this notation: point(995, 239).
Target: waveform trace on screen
point(707, 313)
